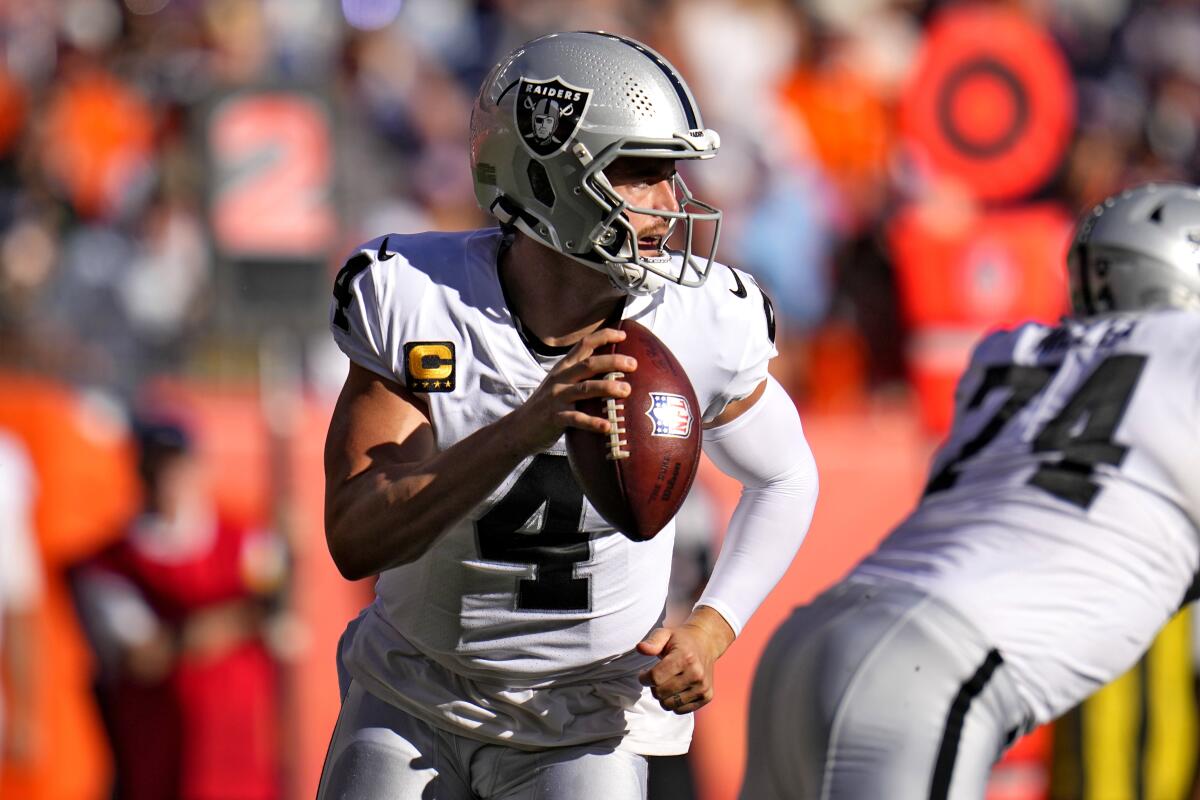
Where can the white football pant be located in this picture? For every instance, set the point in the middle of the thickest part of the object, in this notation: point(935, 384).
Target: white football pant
point(878, 693)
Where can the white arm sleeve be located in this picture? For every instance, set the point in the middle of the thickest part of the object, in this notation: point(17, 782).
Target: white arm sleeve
point(765, 450)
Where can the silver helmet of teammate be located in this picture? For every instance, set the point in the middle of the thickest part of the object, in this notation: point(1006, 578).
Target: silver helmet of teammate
point(1137, 250)
point(550, 118)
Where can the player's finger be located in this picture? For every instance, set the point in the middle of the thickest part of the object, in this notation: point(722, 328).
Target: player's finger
point(667, 682)
point(679, 665)
point(598, 365)
point(582, 421)
point(605, 388)
point(654, 644)
point(688, 704)
point(589, 344)
point(680, 684)
point(680, 699)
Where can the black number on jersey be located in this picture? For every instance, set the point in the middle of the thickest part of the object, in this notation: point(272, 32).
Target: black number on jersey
point(1083, 431)
point(1081, 434)
point(769, 312)
point(1023, 384)
point(341, 288)
point(558, 545)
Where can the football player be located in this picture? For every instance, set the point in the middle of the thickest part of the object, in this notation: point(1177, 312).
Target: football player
point(1056, 536)
point(515, 646)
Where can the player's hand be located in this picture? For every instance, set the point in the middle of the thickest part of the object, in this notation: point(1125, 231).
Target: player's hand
point(550, 410)
point(682, 680)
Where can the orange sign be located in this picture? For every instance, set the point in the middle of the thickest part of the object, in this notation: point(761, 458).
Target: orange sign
point(273, 167)
point(991, 101)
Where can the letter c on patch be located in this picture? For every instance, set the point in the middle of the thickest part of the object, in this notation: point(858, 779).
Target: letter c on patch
point(430, 362)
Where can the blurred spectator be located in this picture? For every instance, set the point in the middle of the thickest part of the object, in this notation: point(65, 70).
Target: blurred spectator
point(77, 447)
point(96, 137)
point(178, 610)
point(20, 593)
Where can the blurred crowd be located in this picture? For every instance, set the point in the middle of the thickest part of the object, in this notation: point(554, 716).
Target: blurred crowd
point(180, 180)
point(117, 189)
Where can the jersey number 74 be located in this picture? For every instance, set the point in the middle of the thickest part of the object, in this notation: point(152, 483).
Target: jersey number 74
point(1078, 438)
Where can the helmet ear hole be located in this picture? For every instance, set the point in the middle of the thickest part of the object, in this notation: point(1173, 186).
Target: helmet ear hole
point(539, 183)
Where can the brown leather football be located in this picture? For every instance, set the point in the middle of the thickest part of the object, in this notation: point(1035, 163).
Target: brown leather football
point(638, 475)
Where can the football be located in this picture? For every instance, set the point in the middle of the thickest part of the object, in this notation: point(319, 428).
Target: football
point(637, 475)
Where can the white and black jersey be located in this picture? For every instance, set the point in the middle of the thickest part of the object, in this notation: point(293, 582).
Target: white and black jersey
point(532, 589)
point(1061, 515)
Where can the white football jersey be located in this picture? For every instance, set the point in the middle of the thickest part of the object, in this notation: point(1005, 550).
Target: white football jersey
point(532, 588)
point(1061, 514)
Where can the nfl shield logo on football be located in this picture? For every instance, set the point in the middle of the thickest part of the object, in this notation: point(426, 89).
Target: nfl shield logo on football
point(670, 414)
point(548, 112)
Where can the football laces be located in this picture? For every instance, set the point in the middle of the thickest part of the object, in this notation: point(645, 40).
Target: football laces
point(614, 410)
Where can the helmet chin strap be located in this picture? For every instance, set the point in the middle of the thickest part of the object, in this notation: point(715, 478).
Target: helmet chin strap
point(634, 279)
point(628, 277)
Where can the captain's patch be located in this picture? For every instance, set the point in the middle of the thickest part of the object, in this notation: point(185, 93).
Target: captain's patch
point(429, 366)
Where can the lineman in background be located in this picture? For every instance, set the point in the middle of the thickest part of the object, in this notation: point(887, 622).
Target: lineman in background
point(1057, 534)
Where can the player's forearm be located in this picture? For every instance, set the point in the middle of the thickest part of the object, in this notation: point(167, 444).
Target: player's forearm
point(766, 452)
point(392, 513)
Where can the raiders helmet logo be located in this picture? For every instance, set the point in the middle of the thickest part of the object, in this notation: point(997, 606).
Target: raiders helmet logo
point(548, 112)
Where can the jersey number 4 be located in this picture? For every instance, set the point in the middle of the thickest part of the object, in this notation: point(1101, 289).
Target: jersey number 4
point(537, 523)
point(1077, 439)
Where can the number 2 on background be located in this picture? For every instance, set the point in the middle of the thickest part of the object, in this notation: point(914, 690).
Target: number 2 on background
point(1081, 434)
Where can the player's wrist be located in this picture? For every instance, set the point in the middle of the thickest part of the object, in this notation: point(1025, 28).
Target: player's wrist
point(713, 627)
point(520, 436)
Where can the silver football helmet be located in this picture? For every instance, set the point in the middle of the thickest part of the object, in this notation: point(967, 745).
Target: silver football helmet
point(1137, 250)
point(550, 118)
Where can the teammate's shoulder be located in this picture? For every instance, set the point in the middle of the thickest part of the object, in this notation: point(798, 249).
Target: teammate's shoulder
point(1168, 332)
point(1006, 344)
point(1172, 319)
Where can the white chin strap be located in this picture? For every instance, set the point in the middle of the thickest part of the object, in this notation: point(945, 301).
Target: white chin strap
point(634, 279)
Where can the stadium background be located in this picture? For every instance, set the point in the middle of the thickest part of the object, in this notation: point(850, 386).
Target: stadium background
point(180, 180)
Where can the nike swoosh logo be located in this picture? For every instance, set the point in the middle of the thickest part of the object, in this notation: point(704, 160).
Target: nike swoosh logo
point(740, 291)
point(384, 255)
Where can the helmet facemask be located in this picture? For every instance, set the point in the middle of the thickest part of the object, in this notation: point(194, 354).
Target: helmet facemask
point(613, 242)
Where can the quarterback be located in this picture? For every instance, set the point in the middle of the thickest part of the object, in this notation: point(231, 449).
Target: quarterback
point(516, 646)
point(1056, 536)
